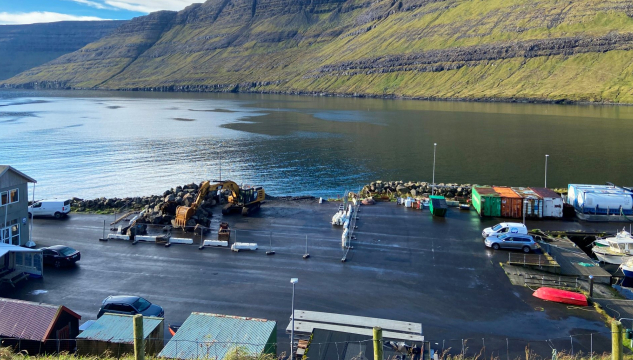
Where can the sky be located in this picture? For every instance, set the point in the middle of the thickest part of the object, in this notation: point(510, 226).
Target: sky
point(39, 11)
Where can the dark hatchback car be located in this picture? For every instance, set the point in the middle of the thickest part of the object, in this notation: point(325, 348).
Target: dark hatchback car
point(60, 255)
point(129, 305)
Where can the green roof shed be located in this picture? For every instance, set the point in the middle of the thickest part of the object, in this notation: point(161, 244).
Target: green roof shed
point(213, 336)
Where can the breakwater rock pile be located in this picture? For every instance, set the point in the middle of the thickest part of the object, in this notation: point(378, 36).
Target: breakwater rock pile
point(158, 209)
point(416, 189)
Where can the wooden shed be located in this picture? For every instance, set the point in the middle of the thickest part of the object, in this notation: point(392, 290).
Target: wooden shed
point(37, 328)
point(114, 333)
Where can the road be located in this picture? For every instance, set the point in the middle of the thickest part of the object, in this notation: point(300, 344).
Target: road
point(404, 265)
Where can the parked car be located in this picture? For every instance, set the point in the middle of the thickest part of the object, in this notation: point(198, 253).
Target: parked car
point(60, 255)
point(505, 227)
point(511, 241)
point(55, 207)
point(129, 305)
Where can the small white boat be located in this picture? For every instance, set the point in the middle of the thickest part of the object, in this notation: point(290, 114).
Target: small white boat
point(615, 250)
point(621, 235)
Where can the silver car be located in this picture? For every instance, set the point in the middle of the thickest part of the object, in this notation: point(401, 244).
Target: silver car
point(511, 241)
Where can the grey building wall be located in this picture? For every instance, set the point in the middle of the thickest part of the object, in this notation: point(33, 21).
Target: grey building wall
point(17, 212)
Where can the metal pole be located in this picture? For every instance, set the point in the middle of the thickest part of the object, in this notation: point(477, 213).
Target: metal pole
point(271, 252)
point(306, 255)
point(546, 157)
point(434, 148)
point(103, 233)
point(590, 285)
point(292, 330)
point(31, 232)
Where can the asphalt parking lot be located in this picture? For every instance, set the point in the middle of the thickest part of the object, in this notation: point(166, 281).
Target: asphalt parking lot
point(405, 265)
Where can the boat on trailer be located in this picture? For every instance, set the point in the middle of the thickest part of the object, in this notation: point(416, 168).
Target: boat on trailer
point(561, 296)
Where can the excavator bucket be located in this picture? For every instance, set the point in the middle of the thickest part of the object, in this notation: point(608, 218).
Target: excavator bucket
point(183, 213)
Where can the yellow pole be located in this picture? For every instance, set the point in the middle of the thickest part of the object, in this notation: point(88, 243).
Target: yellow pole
point(139, 344)
point(616, 340)
point(378, 343)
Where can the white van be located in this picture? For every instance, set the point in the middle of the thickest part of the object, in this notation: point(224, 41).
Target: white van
point(55, 207)
point(505, 228)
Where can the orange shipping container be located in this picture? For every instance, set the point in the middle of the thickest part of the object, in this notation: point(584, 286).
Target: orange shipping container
point(510, 202)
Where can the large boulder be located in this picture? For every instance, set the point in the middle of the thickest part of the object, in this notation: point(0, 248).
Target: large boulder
point(170, 197)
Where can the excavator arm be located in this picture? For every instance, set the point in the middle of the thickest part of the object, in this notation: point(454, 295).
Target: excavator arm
point(184, 213)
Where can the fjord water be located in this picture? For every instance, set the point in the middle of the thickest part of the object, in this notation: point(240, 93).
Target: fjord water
point(91, 144)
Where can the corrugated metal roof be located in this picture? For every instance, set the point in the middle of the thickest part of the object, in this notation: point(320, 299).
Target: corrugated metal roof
point(118, 328)
point(526, 193)
point(28, 320)
point(545, 192)
point(506, 192)
point(485, 190)
point(212, 336)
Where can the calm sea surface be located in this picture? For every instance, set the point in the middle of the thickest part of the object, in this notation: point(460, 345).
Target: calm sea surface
point(91, 144)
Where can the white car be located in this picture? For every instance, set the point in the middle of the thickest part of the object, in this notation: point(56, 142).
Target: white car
point(56, 208)
point(505, 228)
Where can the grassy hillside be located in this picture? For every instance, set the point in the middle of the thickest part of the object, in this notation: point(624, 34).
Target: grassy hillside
point(35, 44)
point(549, 50)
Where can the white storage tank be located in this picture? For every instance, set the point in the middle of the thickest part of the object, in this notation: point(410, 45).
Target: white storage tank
point(600, 199)
point(606, 203)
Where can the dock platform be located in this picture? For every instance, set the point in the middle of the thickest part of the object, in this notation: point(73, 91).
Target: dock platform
point(573, 261)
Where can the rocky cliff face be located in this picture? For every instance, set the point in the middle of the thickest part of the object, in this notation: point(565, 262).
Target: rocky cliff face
point(26, 46)
point(579, 50)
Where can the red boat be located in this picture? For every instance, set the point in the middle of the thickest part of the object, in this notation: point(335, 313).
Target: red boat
point(561, 296)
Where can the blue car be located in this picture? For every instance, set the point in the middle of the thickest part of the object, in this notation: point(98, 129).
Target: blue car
point(130, 305)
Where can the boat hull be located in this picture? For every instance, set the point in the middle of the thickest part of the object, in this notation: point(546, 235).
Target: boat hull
point(561, 296)
point(611, 259)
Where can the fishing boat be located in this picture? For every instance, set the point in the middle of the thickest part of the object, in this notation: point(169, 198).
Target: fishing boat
point(617, 250)
point(621, 235)
point(561, 296)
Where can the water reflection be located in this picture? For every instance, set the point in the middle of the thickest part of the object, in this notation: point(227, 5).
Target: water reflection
point(90, 144)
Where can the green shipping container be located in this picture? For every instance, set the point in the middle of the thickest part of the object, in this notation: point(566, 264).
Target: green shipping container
point(486, 201)
point(437, 205)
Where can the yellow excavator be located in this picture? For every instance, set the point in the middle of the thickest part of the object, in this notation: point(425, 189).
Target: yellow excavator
point(244, 200)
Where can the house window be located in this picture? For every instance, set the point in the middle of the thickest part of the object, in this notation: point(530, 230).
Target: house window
point(13, 196)
point(9, 197)
point(10, 235)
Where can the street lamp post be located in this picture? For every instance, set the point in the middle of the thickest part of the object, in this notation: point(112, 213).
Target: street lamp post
point(546, 157)
point(293, 281)
point(434, 148)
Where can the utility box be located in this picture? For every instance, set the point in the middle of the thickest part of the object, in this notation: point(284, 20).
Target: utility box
point(437, 205)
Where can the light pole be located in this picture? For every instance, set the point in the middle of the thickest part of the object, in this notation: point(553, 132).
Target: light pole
point(434, 148)
point(293, 281)
point(546, 157)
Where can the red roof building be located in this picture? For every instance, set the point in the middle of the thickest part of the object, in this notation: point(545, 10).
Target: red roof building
point(36, 327)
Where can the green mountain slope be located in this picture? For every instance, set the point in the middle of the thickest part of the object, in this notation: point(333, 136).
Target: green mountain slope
point(26, 46)
point(552, 50)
